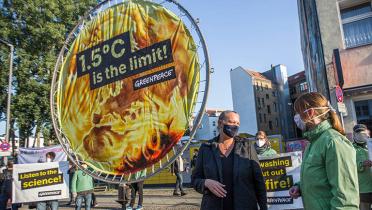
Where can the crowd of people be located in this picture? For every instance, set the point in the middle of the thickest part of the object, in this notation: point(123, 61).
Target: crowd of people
point(335, 171)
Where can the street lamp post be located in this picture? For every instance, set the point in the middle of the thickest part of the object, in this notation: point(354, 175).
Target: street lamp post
point(7, 136)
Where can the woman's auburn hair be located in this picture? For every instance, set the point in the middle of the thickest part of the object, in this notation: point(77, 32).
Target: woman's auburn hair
point(314, 100)
point(263, 133)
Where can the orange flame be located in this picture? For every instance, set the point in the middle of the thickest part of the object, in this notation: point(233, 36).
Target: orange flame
point(116, 129)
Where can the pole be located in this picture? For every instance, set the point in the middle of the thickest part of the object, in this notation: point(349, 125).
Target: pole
point(9, 97)
point(7, 136)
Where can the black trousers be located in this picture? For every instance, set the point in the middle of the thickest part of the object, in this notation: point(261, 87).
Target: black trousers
point(136, 187)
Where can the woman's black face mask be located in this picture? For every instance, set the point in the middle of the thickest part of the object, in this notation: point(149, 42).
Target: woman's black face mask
point(230, 130)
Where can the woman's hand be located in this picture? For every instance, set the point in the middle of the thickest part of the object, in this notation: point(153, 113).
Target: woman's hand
point(367, 163)
point(215, 187)
point(295, 192)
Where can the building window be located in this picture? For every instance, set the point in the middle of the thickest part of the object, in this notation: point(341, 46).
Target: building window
point(257, 87)
point(277, 122)
point(364, 112)
point(357, 25)
point(268, 109)
point(270, 125)
point(274, 94)
point(303, 87)
point(258, 102)
point(267, 87)
point(260, 117)
point(261, 87)
point(264, 118)
point(263, 101)
point(275, 109)
point(267, 96)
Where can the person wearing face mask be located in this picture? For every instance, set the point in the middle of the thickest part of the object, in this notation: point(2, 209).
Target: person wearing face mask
point(263, 146)
point(227, 170)
point(53, 204)
point(328, 177)
point(82, 188)
point(360, 137)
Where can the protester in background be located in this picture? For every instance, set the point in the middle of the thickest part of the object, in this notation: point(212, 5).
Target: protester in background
point(6, 189)
point(177, 168)
point(137, 187)
point(123, 194)
point(82, 188)
point(227, 170)
point(194, 157)
point(360, 137)
point(329, 177)
point(263, 145)
point(2, 168)
point(71, 171)
point(53, 204)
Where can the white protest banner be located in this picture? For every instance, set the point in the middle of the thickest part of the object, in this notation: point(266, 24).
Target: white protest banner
point(281, 172)
point(38, 155)
point(40, 182)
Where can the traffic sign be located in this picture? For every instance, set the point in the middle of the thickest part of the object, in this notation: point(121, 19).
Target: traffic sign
point(5, 146)
point(341, 107)
point(339, 94)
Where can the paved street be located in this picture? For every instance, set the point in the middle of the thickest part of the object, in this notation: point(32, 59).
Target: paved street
point(156, 198)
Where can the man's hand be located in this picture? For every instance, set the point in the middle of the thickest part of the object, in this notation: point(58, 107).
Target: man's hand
point(74, 195)
point(294, 192)
point(215, 187)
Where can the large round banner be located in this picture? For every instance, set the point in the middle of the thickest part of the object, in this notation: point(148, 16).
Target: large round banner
point(126, 87)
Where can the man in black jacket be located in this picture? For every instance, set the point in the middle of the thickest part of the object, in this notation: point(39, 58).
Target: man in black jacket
point(227, 170)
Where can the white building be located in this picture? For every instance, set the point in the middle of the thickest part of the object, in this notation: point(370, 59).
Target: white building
point(208, 126)
point(243, 96)
point(262, 99)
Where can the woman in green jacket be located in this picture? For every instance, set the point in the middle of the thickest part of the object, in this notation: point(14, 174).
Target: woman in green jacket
point(329, 178)
point(361, 134)
point(263, 146)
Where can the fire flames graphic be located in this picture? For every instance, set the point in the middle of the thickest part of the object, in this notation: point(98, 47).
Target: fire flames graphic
point(115, 128)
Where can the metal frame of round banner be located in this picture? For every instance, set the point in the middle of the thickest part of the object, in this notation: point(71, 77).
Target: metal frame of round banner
point(199, 108)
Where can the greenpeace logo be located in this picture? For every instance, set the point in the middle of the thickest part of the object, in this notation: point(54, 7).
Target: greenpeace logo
point(49, 193)
point(155, 78)
point(280, 200)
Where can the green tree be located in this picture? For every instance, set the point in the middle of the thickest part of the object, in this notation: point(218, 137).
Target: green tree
point(37, 28)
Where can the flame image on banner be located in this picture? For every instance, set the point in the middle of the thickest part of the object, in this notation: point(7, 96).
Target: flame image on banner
point(128, 87)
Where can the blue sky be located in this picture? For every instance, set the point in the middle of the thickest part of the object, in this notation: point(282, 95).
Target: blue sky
point(247, 33)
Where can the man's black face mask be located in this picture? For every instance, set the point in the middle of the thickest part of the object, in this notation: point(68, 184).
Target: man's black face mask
point(230, 130)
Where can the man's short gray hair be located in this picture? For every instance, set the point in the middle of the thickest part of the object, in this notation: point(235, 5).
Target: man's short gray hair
point(224, 113)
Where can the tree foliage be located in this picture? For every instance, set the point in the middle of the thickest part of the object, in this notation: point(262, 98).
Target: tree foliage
point(37, 28)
